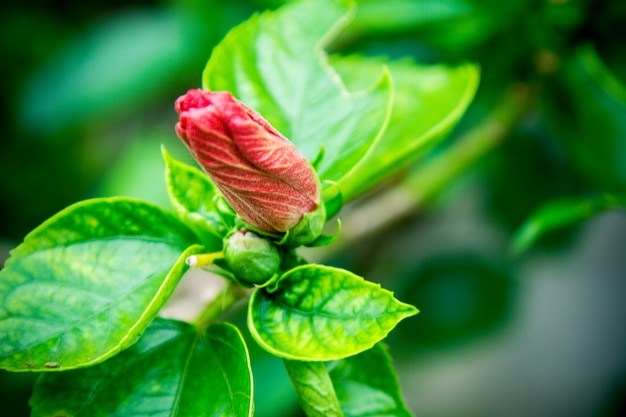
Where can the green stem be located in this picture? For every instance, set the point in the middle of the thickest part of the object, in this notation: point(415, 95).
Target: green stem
point(436, 174)
point(431, 177)
point(225, 299)
point(314, 388)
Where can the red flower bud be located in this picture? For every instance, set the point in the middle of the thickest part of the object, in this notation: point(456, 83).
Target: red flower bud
point(263, 176)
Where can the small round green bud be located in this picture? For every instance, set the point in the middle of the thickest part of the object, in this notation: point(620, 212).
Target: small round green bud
point(251, 257)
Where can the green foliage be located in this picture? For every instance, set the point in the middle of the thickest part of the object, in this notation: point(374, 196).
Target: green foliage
point(314, 388)
point(337, 107)
point(375, 94)
point(320, 313)
point(366, 385)
point(193, 197)
point(428, 102)
point(134, 56)
point(587, 110)
point(449, 25)
point(278, 68)
point(84, 289)
point(357, 386)
point(87, 282)
point(172, 371)
point(466, 297)
point(78, 92)
point(558, 214)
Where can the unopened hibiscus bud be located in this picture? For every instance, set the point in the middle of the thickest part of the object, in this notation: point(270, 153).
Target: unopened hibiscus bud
point(251, 257)
point(262, 175)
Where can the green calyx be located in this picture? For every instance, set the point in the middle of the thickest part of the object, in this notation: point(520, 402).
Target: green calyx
point(308, 230)
point(251, 257)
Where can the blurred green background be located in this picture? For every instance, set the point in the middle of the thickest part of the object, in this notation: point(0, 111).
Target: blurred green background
point(87, 94)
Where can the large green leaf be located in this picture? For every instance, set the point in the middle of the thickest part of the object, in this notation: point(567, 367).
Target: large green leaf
point(559, 214)
point(428, 101)
point(366, 385)
point(87, 282)
point(317, 312)
point(192, 195)
point(314, 388)
point(171, 371)
point(275, 64)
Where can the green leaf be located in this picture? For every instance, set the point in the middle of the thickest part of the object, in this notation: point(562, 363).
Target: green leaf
point(275, 64)
point(586, 105)
point(366, 385)
point(456, 26)
point(559, 214)
point(314, 388)
point(134, 57)
point(318, 313)
point(193, 197)
point(428, 102)
point(171, 371)
point(86, 283)
point(332, 197)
